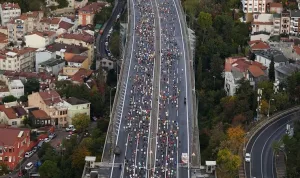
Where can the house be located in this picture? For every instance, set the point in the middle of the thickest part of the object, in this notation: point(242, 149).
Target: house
point(258, 45)
point(285, 22)
point(64, 27)
point(76, 75)
point(14, 143)
point(50, 102)
point(274, 7)
point(16, 88)
point(39, 117)
point(252, 6)
point(282, 72)
point(3, 40)
point(106, 63)
point(67, 51)
point(262, 27)
point(49, 24)
point(53, 66)
point(237, 68)
point(21, 59)
point(265, 57)
point(294, 28)
point(20, 26)
point(12, 116)
point(81, 39)
point(38, 39)
point(276, 24)
point(42, 55)
point(78, 61)
point(80, 4)
point(77, 106)
point(8, 11)
point(86, 14)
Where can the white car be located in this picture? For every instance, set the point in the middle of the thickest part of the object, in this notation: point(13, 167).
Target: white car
point(28, 154)
point(29, 166)
point(46, 140)
point(247, 157)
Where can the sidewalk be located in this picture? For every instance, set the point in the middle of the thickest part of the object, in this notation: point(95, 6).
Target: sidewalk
point(280, 165)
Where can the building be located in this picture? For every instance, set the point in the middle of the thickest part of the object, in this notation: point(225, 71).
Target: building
point(78, 61)
point(77, 106)
point(20, 26)
point(294, 28)
point(274, 7)
point(52, 66)
point(14, 143)
point(285, 22)
point(282, 72)
point(3, 40)
point(65, 27)
point(265, 57)
point(258, 45)
point(16, 88)
point(12, 116)
point(17, 59)
point(262, 27)
point(9, 11)
point(38, 39)
point(67, 51)
point(50, 102)
point(49, 24)
point(81, 39)
point(80, 4)
point(39, 117)
point(254, 6)
point(237, 68)
point(86, 14)
point(276, 24)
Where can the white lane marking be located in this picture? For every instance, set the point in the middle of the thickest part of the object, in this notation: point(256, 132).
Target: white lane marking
point(187, 107)
point(133, 42)
point(149, 141)
point(159, 75)
point(258, 137)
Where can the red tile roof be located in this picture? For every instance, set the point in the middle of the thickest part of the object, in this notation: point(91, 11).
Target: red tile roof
point(81, 74)
point(10, 5)
point(80, 37)
point(8, 136)
point(78, 59)
point(93, 7)
point(40, 114)
point(10, 113)
point(297, 49)
point(255, 71)
point(65, 25)
point(43, 33)
point(50, 97)
point(52, 21)
point(242, 64)
point(275, 4)
point(258, 45)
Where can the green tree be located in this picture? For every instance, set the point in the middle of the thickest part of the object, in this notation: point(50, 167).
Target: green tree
point(31, 85)
point(81, 121)
point(191, 8)
point(199, 73)
point(62, 3)
point(78, 157)
point(276, 146)
point(272, 70)
point(9, 98)
point(42, 151)
point(205, 22)
point(49, 169)
point(4, 169)
point(23, 98)
point(228, 163)
point(114, 44)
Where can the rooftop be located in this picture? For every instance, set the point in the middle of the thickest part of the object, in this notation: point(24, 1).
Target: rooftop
point(275, 5)
point(40, 114)
point(258, 45)
point(52, 62)
point(65, 25)
point(93, 7)
point(53, 21)
point(295, 13)
point(278, 55)
point(77, 59)
point(76, 101)
point(75, 49)
point(50, 97)
point(81, 74)
point(288, 69)
point(8, 136)
point(42, 34)
point(8, 5)
point(80, 37)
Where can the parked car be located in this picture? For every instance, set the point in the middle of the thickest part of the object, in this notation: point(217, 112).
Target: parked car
point(34, 149)
point(70, 128)
point(29, 166)
point(28, 154)
point(51, 136)
point(46, 140)
point(40, 144)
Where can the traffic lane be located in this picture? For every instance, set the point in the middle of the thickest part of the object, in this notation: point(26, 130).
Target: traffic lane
point(268, 153)
point(259, 139)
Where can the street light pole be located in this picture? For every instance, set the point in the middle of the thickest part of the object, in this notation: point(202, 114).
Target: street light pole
point(269, 106)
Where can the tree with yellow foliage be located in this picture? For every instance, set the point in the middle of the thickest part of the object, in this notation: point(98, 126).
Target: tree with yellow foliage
point(79, 155)
point(228, 163)
point(235, 138)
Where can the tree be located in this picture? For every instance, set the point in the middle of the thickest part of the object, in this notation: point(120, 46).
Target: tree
point(78, 157)
point(235, 138)
point(191, 7)
point(276, 146)
point(9, 98)
point(81, 121)
point(272, 70)
point(49, 169)
point(114, 44)
point(205, 22)
point(62, 3)
point(4, 169)
point(264, 107)
point(228, 163)
point(23, 98)
point(32, 85)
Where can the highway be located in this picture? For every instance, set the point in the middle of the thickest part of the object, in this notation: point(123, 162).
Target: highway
point(101, 39)
point(153, 113)
point(260, 147)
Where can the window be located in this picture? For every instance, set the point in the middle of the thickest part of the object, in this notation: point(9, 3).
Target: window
point(5, 158)
point(14, 123)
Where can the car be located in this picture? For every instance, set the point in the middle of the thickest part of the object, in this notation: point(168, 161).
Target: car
point(29, 166)
point(118, 16)
point(71, 128)
point(40, 144)
point(106, 43)
point(34, 149)
point(46, 140)
point(247, 157)
point(28, 154)
point(51, 136)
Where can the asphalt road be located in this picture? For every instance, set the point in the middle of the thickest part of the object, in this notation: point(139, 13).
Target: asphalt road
point(101, 39)
point(260, 147)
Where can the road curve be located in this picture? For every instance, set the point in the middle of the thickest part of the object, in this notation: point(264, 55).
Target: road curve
point(260, 147)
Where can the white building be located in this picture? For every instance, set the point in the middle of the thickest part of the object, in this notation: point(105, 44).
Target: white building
point(9, 11)
point(254, 6)
point(262, 23)
point(294, 28)
point(38, 39)
point(42, 55)
point(76, 106)
point(265, 57)
point(53, 66)
point(16, 88)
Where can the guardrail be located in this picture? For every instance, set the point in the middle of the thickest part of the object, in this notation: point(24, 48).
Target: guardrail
point(259, 126)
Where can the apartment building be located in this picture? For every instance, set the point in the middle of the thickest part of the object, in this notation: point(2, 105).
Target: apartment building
point(262, 23)
point(15, 142)
point(80, 39)
point(49, 24)
point(254, 6)
point(274, 7)
point(17, 59)
point(39, 39)
point(294, 27)
point(50, 102)
point(20, 26)
point(77, 106)
point(285, 22)
point(9, 11)
point(87, 13)
point(276, 24)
